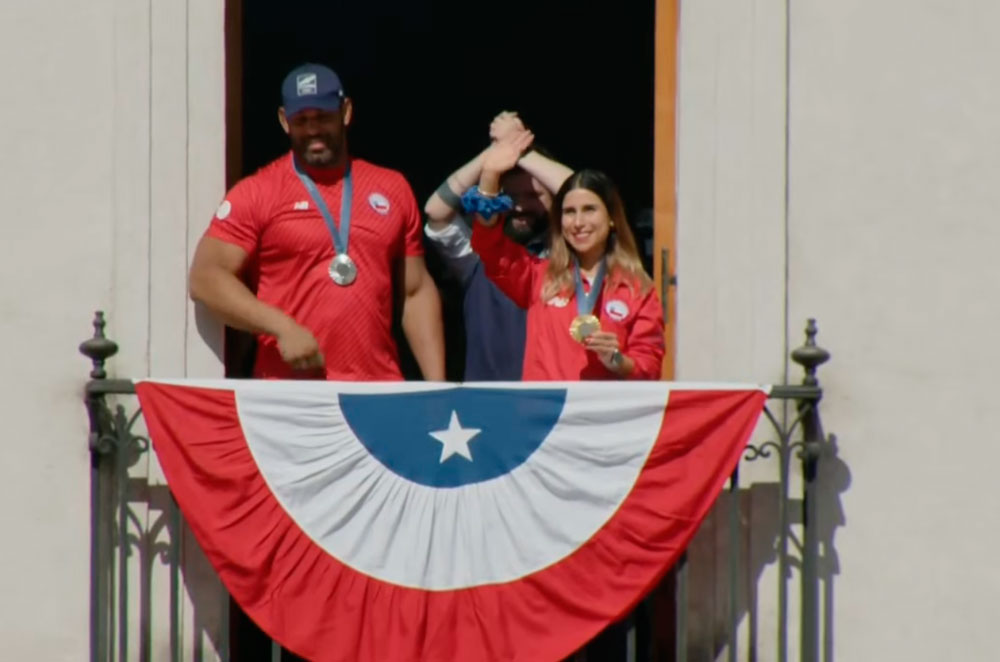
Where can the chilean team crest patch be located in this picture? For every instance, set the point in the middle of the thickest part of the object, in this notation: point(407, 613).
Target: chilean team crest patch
point(374, 522)
point(222, 213)
point(379, 203)
point(616, 309)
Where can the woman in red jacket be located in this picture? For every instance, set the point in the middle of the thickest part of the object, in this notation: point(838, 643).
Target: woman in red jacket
point(592, 310)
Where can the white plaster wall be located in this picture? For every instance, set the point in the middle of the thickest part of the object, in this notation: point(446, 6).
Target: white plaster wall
point(892, 233)
point(731, 282)
point(113, 154)
point(56, 245)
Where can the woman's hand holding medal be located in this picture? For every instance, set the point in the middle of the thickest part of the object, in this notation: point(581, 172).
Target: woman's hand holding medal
point(605, 345)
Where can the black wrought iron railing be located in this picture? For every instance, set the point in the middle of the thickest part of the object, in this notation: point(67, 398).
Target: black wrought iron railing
point(125, 550)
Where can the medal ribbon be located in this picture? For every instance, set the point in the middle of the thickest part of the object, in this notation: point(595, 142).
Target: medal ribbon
point(585, 300)
point(342, 234)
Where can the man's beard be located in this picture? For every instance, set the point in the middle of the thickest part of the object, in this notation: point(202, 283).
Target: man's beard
point(318, 159)
point(522, 227)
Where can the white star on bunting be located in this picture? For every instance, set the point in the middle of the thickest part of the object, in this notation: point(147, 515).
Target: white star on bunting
point(455, 440)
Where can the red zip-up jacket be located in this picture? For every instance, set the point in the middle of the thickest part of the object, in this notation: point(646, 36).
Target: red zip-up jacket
point(550, 352)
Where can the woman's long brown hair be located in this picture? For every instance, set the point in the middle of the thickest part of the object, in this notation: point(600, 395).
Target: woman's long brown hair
point(624, 264)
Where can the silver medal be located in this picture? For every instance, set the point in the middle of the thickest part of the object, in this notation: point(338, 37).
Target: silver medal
point(343, 271)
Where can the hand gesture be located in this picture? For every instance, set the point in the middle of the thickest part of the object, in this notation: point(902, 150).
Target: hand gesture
point(299, 348)
point(502, 156)
point(505, 126)
point(604, 344)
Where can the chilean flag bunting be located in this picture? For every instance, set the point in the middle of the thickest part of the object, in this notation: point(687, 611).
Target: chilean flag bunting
point(417, 521)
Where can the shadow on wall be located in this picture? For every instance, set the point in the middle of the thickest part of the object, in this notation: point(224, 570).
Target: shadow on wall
point(758, 608)
point(200, 583)
point(834, 479)
point(209, 331)
point(169, 595)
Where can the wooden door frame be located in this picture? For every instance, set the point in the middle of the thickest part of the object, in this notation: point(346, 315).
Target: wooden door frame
point(664, 149)
point(664, 210)
point(665, 173)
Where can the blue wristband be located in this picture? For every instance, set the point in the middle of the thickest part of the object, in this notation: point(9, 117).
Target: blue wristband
point(474, 202)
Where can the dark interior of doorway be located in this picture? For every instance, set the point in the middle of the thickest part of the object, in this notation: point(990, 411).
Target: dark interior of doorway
point(427, 76)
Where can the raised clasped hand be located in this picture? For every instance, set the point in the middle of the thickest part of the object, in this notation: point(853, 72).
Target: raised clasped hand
point(505, 126)
point(504, 155)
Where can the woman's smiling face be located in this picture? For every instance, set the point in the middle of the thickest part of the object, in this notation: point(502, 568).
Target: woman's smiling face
point(585, 223)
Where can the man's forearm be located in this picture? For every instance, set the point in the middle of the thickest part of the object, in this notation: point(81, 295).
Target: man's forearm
point(439, 212)
point(424, 330)
point(229, 299)
point(550, 173)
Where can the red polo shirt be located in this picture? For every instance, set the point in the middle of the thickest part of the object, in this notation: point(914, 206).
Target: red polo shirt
point(271, 216)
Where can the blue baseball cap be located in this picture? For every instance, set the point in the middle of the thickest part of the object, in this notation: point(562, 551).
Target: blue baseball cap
point(311, 86)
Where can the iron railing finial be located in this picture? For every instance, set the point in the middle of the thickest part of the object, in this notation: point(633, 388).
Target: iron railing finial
point(98, 348)
point(810, 356)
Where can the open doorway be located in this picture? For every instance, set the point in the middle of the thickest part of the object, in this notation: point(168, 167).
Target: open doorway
point(427, 77)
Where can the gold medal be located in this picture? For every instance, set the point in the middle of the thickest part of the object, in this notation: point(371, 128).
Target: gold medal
point(584, 326)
